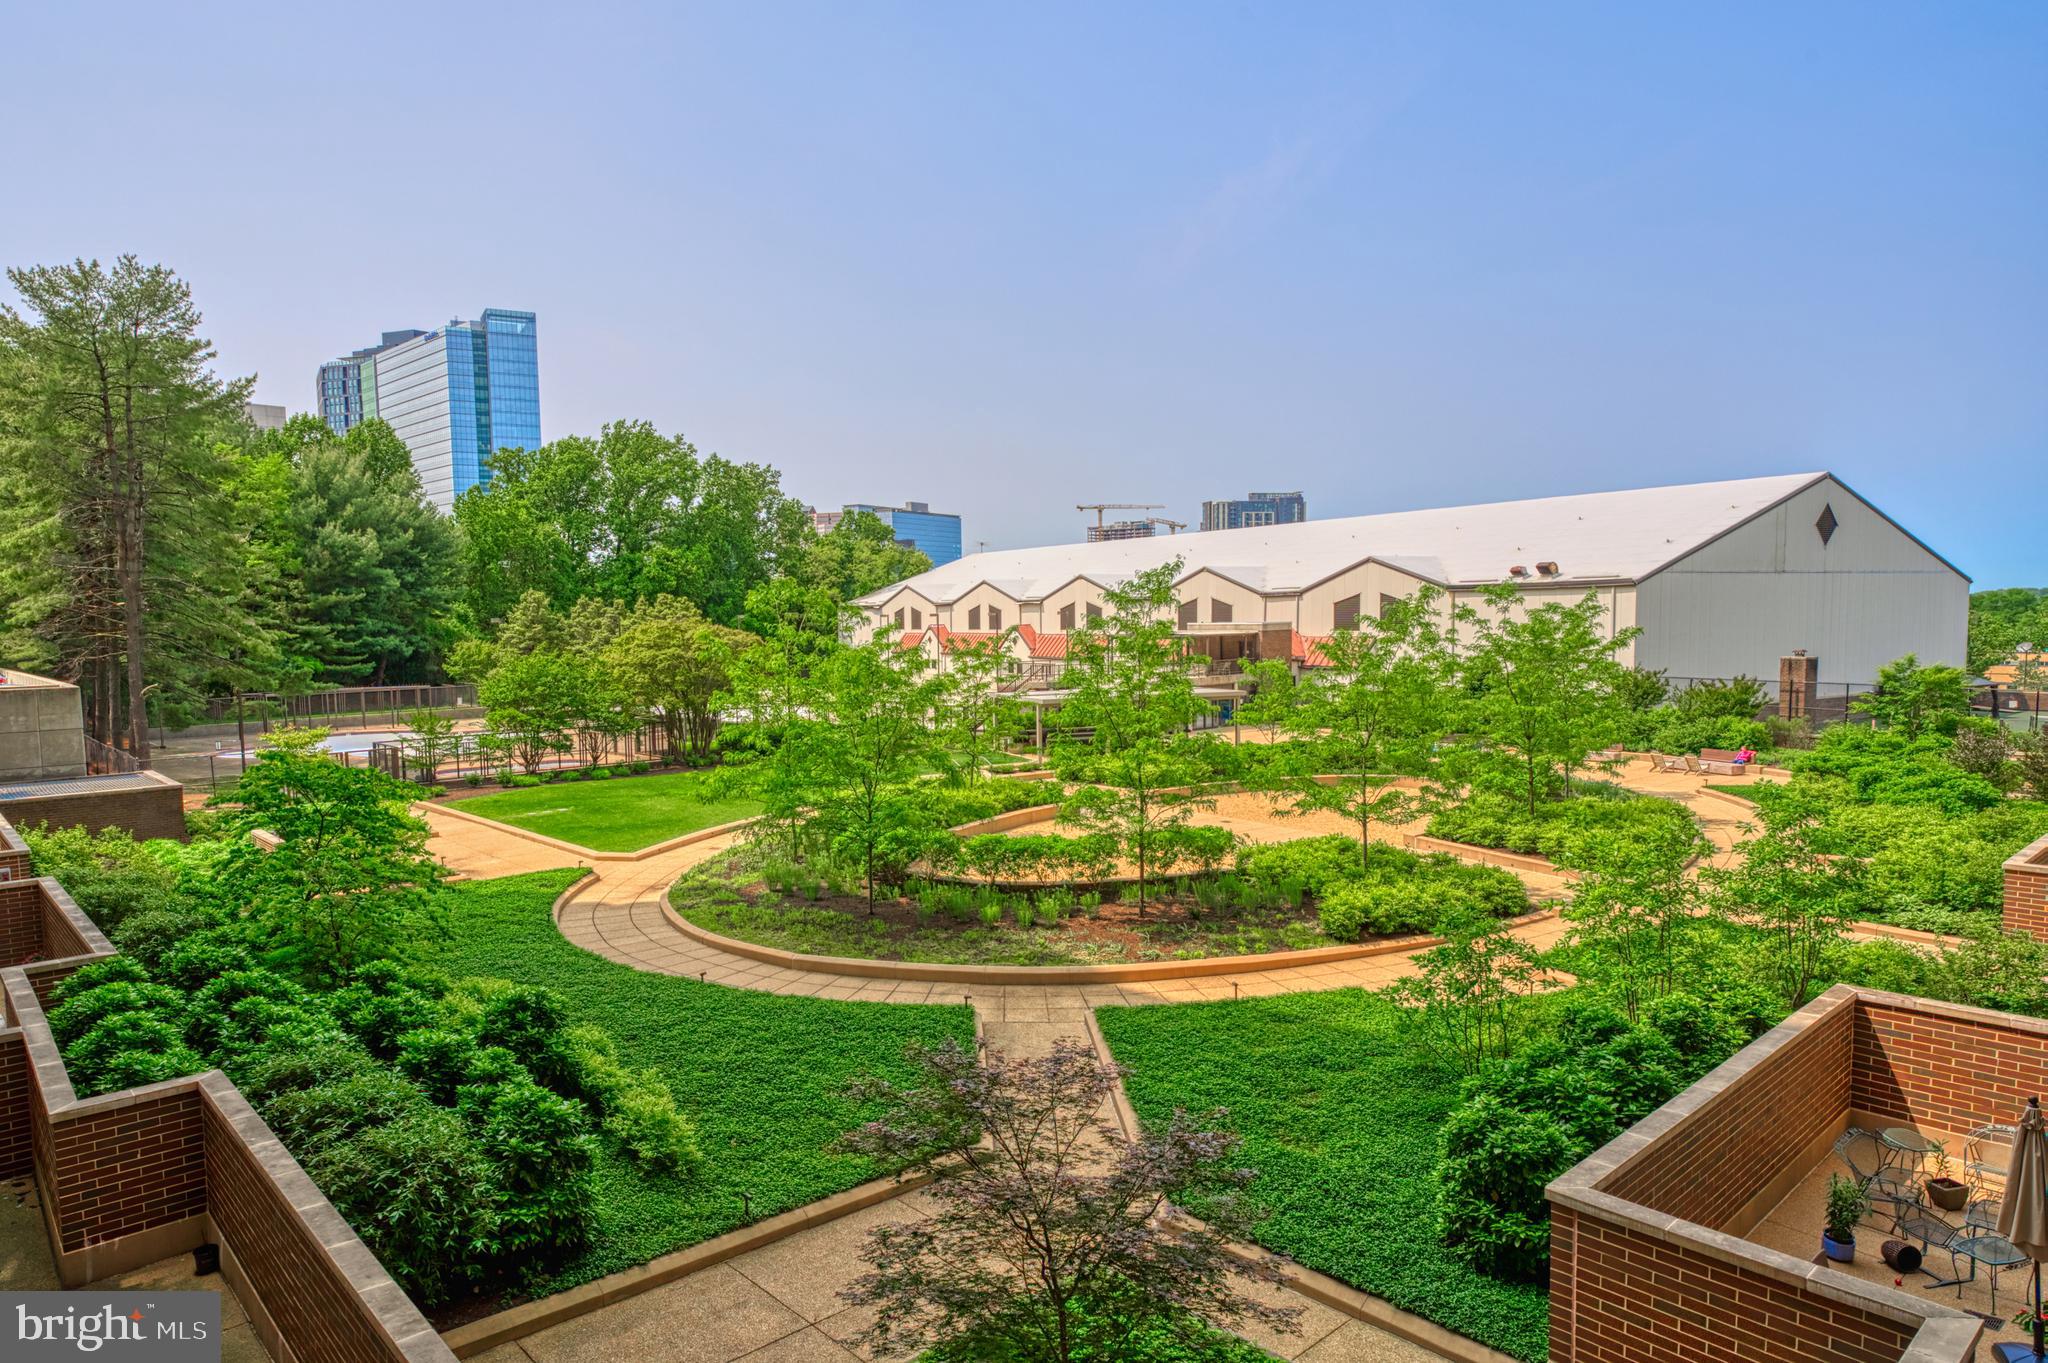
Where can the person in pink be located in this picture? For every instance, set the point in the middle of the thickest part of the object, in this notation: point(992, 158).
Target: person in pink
point(1746, 756)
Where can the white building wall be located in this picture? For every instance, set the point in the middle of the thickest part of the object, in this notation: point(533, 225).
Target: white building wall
point(1866, 596)
point(412, 394)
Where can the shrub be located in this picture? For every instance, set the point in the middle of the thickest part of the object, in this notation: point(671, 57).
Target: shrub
point(109, 970)
point(422, 1196)
point(127, 1069)
point(437, 1060)
point(1496, 1161)
point(379, 1006)
point(278, 1069)
point(202, 959)
point(149, 936)
point(1315, 863)
point(109, 875)
point(90, 1059)
point(642, 1117)
point(214, 1005)
point(326, 1113)
point(81, 1012)
point(542, 1152)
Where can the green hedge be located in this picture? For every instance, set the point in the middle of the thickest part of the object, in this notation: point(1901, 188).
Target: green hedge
point(1391, 891)
point(1488, 819)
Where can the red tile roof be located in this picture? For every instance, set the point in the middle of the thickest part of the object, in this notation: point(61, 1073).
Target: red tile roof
point(1041, 644)
point(1307, 649)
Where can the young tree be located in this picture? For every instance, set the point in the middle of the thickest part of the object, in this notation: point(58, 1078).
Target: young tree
point(1546, 681)
point(532, 701)
point(1916, 699)
point(1796, 898)
point(770, 701)
point(1132, 689)
point(1055, 1237)
point(433, 742)
point(1465, 998)
point(972, 712)
point(867, 747)
point(351, 880)
point(672, 664)
point(1375, 711)
point(1636, 905)
point(108, 414)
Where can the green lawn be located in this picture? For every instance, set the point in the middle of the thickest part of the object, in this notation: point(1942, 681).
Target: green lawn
point(1339, 1115)
point(623, 814)
point(760, 1074)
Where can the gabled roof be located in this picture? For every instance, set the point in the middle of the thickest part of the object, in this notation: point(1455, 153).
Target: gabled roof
point(1593, 537)
point(1041, 644)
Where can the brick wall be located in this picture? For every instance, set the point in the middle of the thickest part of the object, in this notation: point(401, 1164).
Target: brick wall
point(1752, 1121)
point(1642, 1267)
point(127, 1168)
point(2026, 891)
point(13, 853)
point(17, 1142)
point(151, 811)
point(1945, 1067)
point(308, 1297)
point(1640, 1298)
point(21, 921)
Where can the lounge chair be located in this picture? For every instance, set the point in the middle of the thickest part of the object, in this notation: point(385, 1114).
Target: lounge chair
point(1662, 763)
point(1692, 764)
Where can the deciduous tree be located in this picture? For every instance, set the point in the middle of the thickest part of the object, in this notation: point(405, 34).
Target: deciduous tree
point(1055, 1238)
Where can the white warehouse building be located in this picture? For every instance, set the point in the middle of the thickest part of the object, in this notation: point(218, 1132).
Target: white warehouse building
point(1723, 579)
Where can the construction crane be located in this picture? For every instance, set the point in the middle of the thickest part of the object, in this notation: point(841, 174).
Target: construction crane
point(1172, 527)
point(1099, 507)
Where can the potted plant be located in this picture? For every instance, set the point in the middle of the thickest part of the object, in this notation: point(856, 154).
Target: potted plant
point(1943, 1191)
point(1847, 1204)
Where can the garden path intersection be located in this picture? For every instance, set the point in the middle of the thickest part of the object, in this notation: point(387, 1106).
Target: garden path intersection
point(778, 1303)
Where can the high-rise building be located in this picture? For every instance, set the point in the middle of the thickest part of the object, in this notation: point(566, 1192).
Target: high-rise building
point(264, 416)
point(454, 395)
point(1121, 530)
point(920, 527)
point(1255, 508)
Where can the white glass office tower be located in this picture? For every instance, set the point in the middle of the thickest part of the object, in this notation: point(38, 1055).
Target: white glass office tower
point(453, 395)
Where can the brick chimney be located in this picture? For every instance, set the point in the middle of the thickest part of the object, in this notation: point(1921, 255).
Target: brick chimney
point(1798, 677)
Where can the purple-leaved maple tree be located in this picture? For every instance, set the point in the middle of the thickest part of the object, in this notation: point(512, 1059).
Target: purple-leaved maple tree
point(1054, 1237)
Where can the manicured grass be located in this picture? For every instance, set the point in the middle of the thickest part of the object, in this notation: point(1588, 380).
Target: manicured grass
point(760, 1074)
point(622, 814)
point(1339, 1114)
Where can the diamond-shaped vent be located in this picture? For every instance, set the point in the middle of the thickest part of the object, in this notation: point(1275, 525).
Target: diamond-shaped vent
point(1826, 524)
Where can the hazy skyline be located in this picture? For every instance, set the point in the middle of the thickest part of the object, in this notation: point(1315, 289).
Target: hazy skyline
point(1008, 261)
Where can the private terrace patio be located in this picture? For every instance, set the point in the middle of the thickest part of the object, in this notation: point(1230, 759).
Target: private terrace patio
point(1696, 1235)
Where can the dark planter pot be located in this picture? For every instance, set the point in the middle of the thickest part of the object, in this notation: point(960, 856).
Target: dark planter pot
point(1841, 1251)
point(1947, 1194)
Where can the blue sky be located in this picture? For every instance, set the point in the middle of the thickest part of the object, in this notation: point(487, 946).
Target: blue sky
point(1005, 260)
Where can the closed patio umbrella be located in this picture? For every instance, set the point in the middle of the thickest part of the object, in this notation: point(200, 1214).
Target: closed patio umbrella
point(2023, 1217)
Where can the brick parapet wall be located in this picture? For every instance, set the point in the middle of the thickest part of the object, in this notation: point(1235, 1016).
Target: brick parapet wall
point(1944, 1067)
point(153, 1167)
point(1747, 1120)
point(1643, 1269)
point(14, 858)
point(2026, 891)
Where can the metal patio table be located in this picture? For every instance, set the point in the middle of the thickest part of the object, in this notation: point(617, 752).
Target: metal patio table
point(1995, 1252)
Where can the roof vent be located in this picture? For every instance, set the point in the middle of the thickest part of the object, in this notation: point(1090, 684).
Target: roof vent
point(1547, 568)
point(1518, 570)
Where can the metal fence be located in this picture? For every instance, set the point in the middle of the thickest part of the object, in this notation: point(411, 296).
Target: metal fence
point(341, 706)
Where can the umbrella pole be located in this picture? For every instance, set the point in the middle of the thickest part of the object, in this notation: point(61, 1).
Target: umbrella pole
point(2038, 1327)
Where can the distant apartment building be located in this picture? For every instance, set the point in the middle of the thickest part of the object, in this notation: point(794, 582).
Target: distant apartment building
point(825, 522)
point(1255, 508)
point(1121, 530)
point(453, 395)
point(265, 416)
point(915, 524)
